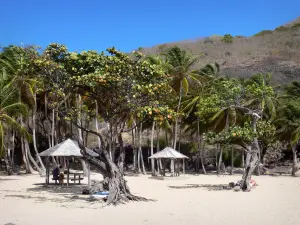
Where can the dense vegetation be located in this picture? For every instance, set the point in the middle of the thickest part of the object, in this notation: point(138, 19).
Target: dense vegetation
point(49, 95)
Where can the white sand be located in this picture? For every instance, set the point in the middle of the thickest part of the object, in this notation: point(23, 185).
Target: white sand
point(276, 201)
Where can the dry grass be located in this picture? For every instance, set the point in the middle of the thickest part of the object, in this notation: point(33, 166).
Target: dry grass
point(275, 51)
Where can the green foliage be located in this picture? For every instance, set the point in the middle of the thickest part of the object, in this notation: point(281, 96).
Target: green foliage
point(162, 47)
point(282, 29)
point(296, 25)
point(133, 89)
point(227, 38)
point(264, 32)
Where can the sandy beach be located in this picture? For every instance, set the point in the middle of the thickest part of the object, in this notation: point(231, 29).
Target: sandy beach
point(274, 202)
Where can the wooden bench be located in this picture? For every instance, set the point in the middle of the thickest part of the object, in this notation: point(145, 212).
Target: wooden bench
point(279, 170)
point(76, 177)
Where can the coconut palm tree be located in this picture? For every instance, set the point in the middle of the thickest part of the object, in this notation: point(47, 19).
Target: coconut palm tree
point(15, 60)
point(182, 73)
point(288, 123)
point(10, 109)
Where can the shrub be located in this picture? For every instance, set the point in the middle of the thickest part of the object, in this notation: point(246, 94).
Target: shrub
point(162, 47)
point(264, 32)
point(227, 38)
point(208, 41)
point(296, 25)
point(281, 29)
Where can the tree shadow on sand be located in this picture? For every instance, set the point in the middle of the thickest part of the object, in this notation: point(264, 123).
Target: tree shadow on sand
point(209, 187)
point(74, 189)
point(62, 194)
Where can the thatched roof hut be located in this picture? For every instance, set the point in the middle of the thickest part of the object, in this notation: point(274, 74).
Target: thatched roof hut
point(67, 148)
point(168, 153)
point(175, 156)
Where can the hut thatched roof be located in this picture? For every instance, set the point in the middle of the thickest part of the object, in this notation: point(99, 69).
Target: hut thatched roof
point(168, 153)
point(66, 148)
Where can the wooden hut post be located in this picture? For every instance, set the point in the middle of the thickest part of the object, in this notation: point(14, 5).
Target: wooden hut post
point(68, 171)
point(164, 168)
point(172, 167)
point(89, 175)
point(158, 169)
point(178, 167)
point(183, 166)
point(47, 170)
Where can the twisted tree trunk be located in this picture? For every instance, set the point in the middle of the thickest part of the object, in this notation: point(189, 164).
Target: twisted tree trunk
point(113, 181)
point(294, 168)
point(252, 158)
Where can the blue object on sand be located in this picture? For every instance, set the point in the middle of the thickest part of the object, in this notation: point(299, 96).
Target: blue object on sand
point(102, 193)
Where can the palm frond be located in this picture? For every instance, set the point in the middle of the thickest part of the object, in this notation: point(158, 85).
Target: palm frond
point(12, 123)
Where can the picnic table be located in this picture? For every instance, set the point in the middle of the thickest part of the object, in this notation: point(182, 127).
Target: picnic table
point(76, 177)
point(279, 170)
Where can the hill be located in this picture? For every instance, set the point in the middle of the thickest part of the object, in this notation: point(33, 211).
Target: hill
point(275, 51)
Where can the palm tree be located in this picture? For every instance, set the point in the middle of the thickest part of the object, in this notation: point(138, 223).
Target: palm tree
point(289, 127)
point(15, 60)
point(262, 100)
point(10, 108)
point(182, 74)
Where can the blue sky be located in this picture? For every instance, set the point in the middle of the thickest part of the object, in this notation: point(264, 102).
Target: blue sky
point(127, 25)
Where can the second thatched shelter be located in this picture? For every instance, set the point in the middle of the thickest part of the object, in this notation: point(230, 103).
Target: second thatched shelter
point(169, 153)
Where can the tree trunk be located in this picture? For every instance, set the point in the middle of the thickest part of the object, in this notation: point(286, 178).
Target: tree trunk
point(121, 158)
point(53, 128)
point(97, 126)
point(294, 168)
point(199, 137)
point(252, 158)
point(86, 133)
point(24, 152)
point(8, 162)
point(34, 136)
point(113, 182)
point(167, 139)
point(28, 167)
point(220, 158)
point(140, 150)
point(110, 140)
point(201, 155)
point(80, 136)
point(177, 117)
point(152, 146)
point(134, 149)
point(179, 141)
point(172, 168)
point(157, 138)
point(257, 167)
point(243, 159)
point(217, 150)
point(143, 164)
point(231, 169)
point(41, 171)
point(13, 151)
